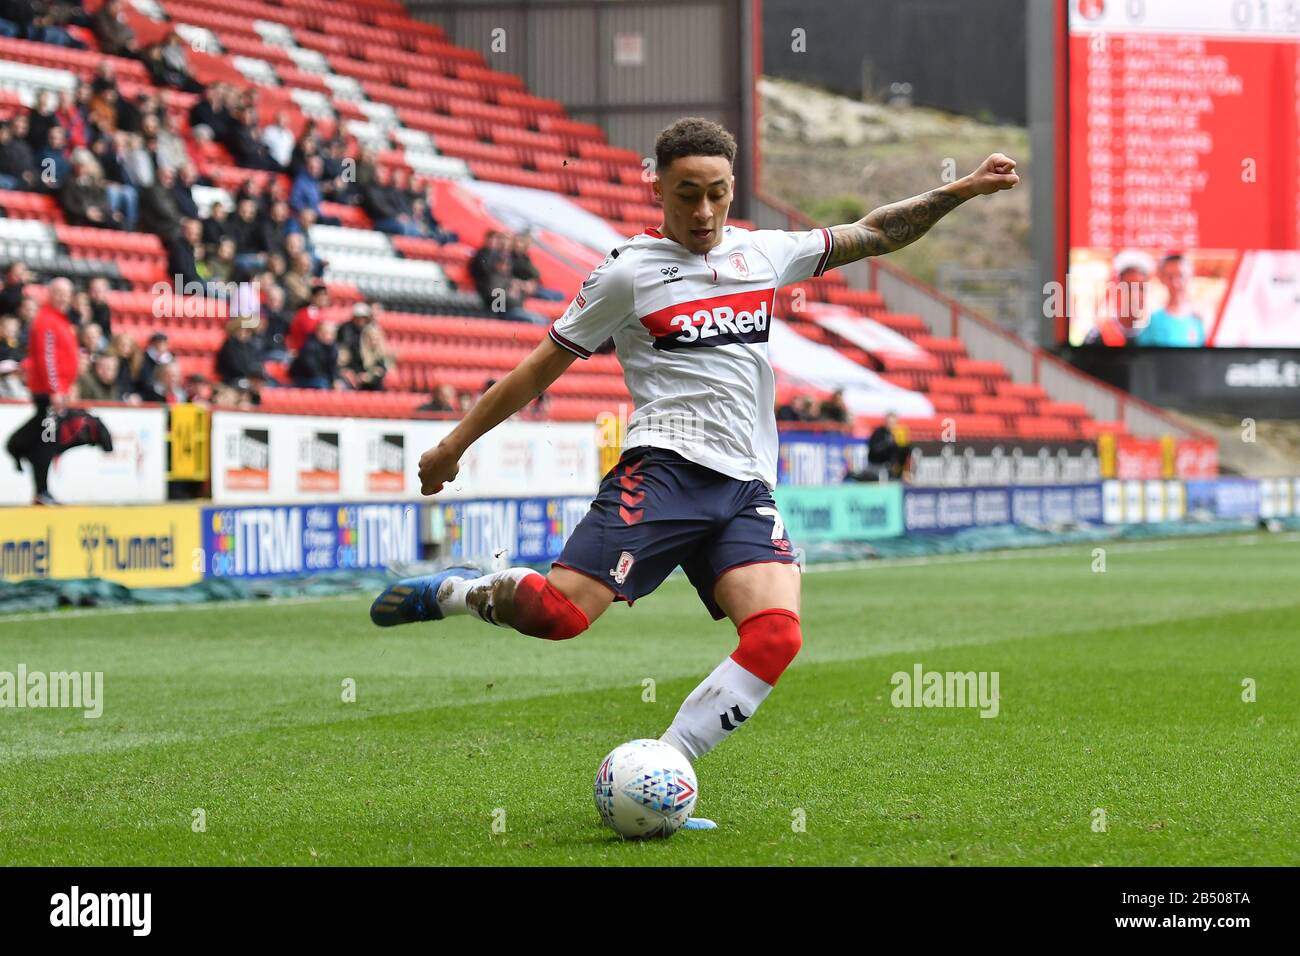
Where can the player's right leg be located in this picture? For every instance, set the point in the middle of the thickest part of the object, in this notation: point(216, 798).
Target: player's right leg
point(639, 526)
point(555, 607)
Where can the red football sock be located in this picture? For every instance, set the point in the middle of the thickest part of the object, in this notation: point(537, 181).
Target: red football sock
point(541, 610)
point(769, 640)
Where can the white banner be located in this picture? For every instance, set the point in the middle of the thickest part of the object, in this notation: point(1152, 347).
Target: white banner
point(259, 458)
point(866, 334)
point(135, 472)
point(820, 366)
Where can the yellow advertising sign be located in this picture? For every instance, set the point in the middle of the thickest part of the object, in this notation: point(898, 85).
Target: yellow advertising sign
point(187, 436)
point(147, 546)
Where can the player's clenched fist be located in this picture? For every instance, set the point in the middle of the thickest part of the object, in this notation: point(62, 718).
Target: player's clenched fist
point(996, 173)
point(438, 466)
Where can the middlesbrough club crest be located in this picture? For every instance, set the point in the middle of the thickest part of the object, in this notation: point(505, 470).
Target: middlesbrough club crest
point(620, 571)
point(737, 260)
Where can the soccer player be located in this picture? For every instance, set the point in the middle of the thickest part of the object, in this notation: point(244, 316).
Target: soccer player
point(689, 306)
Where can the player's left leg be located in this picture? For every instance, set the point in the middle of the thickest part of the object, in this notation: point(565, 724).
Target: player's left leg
point(762, 600)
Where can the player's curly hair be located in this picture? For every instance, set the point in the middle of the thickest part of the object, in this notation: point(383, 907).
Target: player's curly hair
point(693, 136)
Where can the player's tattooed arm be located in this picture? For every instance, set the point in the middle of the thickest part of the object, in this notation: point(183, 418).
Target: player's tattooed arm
point(892, 227)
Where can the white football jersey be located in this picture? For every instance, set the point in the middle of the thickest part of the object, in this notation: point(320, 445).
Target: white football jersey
point(691, 331)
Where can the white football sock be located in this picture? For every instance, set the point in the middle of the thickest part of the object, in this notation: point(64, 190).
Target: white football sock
point(474, 595)
point(725, 700)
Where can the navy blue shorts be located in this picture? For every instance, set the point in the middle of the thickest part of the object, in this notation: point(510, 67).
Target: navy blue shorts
point(655, 510)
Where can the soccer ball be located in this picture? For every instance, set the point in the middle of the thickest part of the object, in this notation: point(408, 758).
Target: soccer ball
point(645, 788)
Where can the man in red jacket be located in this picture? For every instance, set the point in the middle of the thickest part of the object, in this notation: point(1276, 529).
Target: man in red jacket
point(51, 367)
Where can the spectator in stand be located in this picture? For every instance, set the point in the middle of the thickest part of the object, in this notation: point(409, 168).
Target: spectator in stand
point(366, 366)
point(273, 230)
point(252, 189)
point(105, 115)
point(339, 171)
point(525, 271)
point(51, 367)
point(46, 22)
point(84, 196)
point(17, 162)
point(167, 386)
point(221, 263)
point(306, 319)
point(308, 145)
point(71, 119)
point(17, 275)
point(185, 253)
point(798, 409)
point(11, 358)
point(299, 225)
point(306, 191)
point(99, 382)
point(492, 270)
point(155, 354)
point(424, 209)
point(199, 389)
point(115, 36)
point(387, 206)
point(443, 399)
point(181, 183)
point(139, 161)
point(278, 139)
point(101, 313)
point(317, 363)
point(52, 161)
point(113, 163)
point(239, 359)
point(219, 225)
point(168, 65)
point(243, 142)
point(349, 334)
point(170, 150)
point(247, 229)
point(833, 409)
point(80, 313)
point(41, 119)
point(28, 309)
point(275, 324)
point(130, 358)
point(159, 212)
point(883, 447)
point(90, 337)
point(211, 112)
point(295, 244)
point(299, 283)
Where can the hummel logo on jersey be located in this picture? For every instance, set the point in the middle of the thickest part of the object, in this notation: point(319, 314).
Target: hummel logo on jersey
point(736, 714)
point(741, 317)
point(672, 275)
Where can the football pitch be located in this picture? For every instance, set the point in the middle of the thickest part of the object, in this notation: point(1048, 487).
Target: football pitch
point(1125, 730)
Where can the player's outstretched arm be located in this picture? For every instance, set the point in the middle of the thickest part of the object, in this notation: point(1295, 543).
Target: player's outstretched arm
point(525, 382)
point(899, 224)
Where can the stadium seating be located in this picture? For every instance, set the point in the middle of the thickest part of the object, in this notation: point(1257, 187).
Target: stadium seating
point(398, 86)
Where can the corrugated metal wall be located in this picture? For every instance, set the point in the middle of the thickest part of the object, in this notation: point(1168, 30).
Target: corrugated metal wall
point(696, 61)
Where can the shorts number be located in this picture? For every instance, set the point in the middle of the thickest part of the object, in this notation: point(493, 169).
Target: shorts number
point(778, 526)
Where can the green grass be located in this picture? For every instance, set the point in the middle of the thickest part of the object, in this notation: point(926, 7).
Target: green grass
point(1119, 691)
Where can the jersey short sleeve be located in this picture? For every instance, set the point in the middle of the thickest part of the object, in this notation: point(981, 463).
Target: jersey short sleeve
point(795, 255)
point(601, 307)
